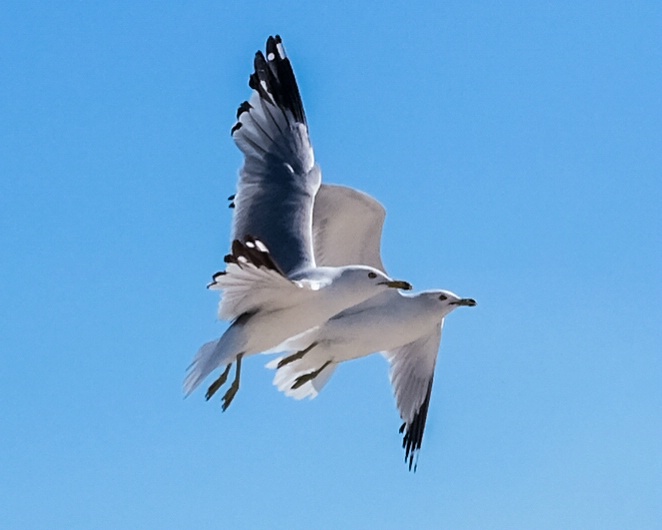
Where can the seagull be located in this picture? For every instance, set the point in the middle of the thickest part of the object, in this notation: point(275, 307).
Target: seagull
point(406, 328)
point(272, 288)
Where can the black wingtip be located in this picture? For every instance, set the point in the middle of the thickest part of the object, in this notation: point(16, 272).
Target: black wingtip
point(275, 49)
point(214, 279)
point(244, 107)
point(262, 80)
point(273, 79)
point(413, 438)
point(252, 251)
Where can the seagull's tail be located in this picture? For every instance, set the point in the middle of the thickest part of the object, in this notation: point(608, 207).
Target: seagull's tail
point(215, 354)
point(286, 376)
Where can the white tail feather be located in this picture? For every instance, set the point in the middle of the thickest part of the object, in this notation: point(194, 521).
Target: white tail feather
point(215, 354)
point(286, 376)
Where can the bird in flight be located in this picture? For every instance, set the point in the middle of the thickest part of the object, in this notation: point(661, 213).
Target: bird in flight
point(406, 328)
point(272, 288)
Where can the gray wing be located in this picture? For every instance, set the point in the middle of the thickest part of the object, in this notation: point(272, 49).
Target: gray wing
point(412, 373)
point(279, 178)
point(347, 228)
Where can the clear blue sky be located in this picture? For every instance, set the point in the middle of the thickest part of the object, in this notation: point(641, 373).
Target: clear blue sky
point(517, 148)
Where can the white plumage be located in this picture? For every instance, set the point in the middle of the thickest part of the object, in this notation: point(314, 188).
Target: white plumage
point(406, 328)
point(272, 288)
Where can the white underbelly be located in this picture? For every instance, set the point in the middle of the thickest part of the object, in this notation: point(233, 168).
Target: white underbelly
point(352, 339)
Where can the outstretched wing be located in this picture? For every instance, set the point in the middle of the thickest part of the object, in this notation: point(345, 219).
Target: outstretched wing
point(279, 178)
point(347, 228)
point(412, 373)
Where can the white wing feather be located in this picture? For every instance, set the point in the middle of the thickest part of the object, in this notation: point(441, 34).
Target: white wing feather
point(347, 228)
point(412, 373)
point(412, 370)
point(247, 287)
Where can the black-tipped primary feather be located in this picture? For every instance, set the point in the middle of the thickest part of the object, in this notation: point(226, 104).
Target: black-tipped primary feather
point(288, 94)
point(413, 438)
point(244, 107)
point(251, 251)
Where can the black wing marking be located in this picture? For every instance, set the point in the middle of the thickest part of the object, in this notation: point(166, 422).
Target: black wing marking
point(251, 251)
point(413, 435)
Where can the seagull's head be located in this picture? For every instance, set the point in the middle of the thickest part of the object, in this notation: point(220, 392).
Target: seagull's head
point(447, 301)
point(368, 280)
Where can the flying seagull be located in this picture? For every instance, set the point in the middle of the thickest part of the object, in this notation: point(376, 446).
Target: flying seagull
point(406, 328)
point(272, 288)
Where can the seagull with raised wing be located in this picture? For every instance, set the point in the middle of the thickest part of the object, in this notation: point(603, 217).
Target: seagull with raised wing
point(272, 288)
point(406, 328)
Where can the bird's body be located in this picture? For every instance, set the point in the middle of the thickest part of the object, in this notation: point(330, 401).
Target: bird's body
point(381, 324)
point(272, 288)
point(406, 328)
point(306, 300)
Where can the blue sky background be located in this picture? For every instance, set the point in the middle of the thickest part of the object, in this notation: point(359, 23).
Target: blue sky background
point(517, 148)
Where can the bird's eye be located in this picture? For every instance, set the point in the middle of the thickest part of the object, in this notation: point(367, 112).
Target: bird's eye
point(443, 297)
point(372, 275)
